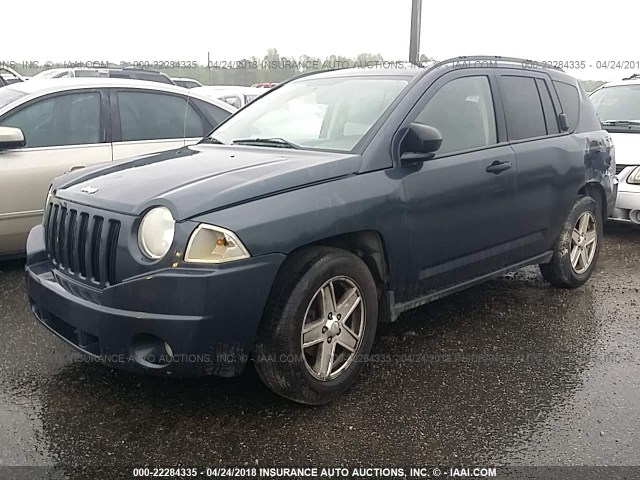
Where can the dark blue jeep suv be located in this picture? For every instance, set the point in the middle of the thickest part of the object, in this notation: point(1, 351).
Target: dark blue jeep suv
point(335, 201)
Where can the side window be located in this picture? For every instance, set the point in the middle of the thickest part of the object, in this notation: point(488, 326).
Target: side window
point(570, 101)
point(194, 124)
point(523, 108)
point(216, 115)
point(157, 116)
point(72, 119)
point(462, 110)
point(550, 114)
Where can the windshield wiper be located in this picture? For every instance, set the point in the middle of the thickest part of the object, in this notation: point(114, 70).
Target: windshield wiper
point(267, 142)
point(212, 140)
point(621, 123)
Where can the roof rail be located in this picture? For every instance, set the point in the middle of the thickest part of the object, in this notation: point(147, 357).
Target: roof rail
point(136, 69)
point(635, 76)
point(523, 62)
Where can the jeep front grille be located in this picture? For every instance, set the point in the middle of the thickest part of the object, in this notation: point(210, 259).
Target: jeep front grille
point(82, 244)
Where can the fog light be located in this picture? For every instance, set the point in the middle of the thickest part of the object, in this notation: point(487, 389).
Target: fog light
point(151, 351)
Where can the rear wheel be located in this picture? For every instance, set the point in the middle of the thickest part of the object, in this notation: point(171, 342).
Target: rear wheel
point(318, 324)
point(577, 248)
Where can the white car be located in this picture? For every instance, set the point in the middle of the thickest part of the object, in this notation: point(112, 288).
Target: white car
point(49, 127)
point(9, 76)
point(237, 97)
point(618, 106)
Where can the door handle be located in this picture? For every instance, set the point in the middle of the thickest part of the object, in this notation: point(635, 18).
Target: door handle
point(498, 167)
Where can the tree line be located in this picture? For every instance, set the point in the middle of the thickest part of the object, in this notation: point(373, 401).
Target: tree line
point(271, 68)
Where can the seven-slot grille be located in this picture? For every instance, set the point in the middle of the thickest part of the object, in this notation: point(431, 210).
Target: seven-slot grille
point(82, 244)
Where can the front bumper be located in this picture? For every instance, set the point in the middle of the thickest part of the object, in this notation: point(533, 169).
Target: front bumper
point(208, 317)
point(628, 204)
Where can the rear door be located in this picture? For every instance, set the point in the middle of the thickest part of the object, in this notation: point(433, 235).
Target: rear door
point(544, 159)
point(149, 121)
point(64, 131)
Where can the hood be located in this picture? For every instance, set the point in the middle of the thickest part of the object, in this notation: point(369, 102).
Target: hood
point(627, 148)
point(201, 178)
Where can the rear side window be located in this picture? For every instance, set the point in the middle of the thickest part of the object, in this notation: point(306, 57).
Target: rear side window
point(523, 108)
point(570, 101)
point(214, 114)
point(158, 116)
point(550, 115)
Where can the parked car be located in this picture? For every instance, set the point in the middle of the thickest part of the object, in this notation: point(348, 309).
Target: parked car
point(127, 72)
point(62, 125)
point(9, 76)
point(237, 97)
point(186, 82)
point(264, 85)
point(289, 248)
point(618, 106)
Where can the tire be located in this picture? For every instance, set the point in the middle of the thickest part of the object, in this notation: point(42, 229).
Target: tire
point(303, 374)
point(562, 271)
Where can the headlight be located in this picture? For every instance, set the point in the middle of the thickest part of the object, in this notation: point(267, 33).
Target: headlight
point(634, 177)
point(210, 244)
point(156, 231)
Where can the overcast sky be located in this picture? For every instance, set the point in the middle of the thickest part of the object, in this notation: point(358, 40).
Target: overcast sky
point(115, 30)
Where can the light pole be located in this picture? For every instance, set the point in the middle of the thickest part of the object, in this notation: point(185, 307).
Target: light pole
point(414, 43)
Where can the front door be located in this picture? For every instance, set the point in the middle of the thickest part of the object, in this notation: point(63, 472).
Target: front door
point(460, 203)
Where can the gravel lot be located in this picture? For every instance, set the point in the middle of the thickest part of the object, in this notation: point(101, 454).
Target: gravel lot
point(511, 372)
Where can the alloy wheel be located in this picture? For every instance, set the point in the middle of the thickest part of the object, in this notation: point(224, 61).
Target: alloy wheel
point(584, 243)
point(333, 328)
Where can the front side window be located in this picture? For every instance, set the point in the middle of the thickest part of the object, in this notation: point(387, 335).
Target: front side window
point(71, 119)
point(322, 113)
point(157, 116)
point(523, 108)
point(462, 110)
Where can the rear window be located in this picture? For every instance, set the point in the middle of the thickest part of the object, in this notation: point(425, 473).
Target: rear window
point(570, 101)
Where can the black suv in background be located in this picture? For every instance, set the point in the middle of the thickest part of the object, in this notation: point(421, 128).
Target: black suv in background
point(333, 202)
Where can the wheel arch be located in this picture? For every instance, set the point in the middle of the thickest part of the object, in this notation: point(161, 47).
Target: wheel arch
point(596, 191)
point(369, 246)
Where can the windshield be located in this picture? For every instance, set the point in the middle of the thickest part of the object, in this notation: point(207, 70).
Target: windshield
point(8, 95)
point(618, 103)
point(326, 113)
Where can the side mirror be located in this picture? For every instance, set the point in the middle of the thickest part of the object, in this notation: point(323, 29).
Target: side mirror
point(420, 143)
point(563, 121)
point(11, 137)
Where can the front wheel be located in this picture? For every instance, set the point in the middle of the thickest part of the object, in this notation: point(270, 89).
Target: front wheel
point(577, 248)
point(318, 326)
